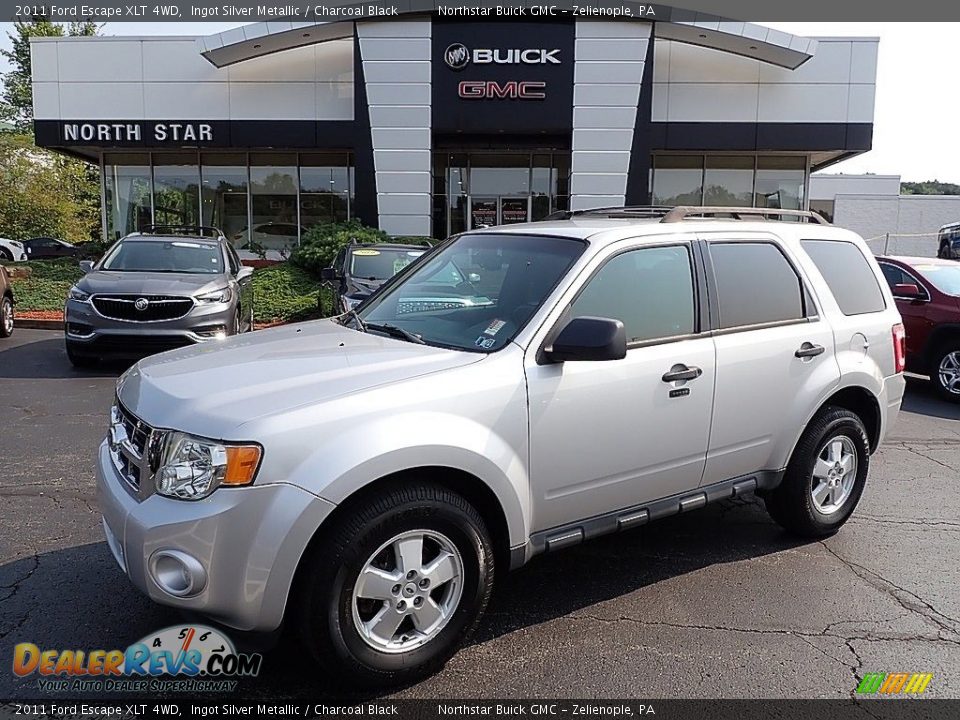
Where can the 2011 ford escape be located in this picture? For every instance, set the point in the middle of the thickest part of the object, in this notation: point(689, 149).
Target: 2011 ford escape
point(523, 389)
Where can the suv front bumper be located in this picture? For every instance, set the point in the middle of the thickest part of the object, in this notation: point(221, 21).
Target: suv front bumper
point(248, 542)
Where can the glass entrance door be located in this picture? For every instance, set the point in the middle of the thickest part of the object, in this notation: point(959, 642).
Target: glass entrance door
point(487, 210)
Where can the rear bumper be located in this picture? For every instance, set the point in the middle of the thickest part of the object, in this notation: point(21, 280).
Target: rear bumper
point(891, 397)
point(89, 333)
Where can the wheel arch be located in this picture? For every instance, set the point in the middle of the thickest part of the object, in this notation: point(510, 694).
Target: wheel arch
point(862, 403)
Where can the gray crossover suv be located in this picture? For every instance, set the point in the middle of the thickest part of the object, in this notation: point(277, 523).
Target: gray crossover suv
point(155, 291)
point(521, 389)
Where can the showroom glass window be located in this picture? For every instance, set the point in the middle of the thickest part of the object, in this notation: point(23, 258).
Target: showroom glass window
point(780, 182)
point(126, 189)
point(224, 194)
point(326, 188)
point(649, 290)
point(275, 226)
point(728, 181)
point(678, 180)
point(176, 189)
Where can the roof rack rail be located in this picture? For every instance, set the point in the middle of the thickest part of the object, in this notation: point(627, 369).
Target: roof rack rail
point(613, 211)
point(198, 230)
point(684, 212)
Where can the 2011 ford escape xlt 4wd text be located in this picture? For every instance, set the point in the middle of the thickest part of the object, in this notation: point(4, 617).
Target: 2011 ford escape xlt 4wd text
point(518, 390)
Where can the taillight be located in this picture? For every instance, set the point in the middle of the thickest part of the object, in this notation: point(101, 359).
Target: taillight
point(899, 348)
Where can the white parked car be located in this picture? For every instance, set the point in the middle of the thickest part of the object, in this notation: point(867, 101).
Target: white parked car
point(12, 250)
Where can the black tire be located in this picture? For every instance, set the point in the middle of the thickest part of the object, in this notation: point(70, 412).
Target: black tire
point(324, 609)
point(951, 347)
point(791, 503)
point(6, 316)
point(79, 360)
point(6, 254)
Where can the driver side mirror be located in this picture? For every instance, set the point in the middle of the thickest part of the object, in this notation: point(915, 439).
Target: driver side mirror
point(589, 338)
point(244, 272)
point(328, 273)
point(86, 266)
point(907, 290)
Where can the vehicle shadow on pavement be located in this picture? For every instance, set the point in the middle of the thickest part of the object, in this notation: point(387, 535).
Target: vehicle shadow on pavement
point(105, 612)
point(922, 399)
point(47, 359)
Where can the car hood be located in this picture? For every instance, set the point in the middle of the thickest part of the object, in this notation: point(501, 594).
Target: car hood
point(214, 388)
point(149, 283)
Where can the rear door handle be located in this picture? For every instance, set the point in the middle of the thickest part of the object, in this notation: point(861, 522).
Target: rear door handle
point(682, 373)
point(808, 350)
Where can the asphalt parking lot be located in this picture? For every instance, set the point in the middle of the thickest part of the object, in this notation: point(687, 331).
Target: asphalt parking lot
point(718, 603)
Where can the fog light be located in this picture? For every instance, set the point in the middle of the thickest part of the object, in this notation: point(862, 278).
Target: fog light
point(177, 573)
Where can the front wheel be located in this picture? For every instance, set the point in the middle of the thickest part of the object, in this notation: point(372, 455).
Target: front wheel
point(396, 586)
point(946, 372)
point(6, 317)
point(825, 476)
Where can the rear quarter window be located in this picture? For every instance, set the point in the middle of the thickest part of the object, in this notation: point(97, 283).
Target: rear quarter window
point(848, 274)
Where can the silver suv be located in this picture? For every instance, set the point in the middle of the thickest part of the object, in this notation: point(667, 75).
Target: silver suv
point(518, 390)
point(155, 291)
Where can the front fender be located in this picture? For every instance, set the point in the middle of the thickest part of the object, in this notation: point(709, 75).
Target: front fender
point(341, 465)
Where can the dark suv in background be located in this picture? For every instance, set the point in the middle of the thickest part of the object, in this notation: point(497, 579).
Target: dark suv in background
point(948, 242)
point(360, 269)
point(927, 293)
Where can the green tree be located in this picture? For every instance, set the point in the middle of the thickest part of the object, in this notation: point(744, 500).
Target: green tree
point(929, 187)
point(16, 99)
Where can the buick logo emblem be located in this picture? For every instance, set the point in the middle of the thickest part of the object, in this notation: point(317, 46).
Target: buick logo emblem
point(141, 304)
point(456, 56)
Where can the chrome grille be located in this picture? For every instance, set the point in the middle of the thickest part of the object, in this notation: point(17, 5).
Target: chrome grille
point(133, 446)
point(142, 308)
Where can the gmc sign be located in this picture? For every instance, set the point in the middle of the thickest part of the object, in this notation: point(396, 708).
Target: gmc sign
point(511, 89)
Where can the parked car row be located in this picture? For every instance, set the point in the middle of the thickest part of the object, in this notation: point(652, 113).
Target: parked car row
point(39, 248)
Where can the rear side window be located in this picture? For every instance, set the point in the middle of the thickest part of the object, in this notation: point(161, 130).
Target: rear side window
point(756, 285)
point(848, 274)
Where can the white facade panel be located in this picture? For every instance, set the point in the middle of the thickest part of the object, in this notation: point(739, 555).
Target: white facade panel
point(407, 71)
point(401, 138)
point(603, 49)
point(86, 100)
point(296, 65)
point(861, 103)
point(662, 50)
point(693, 64)
point(612, 118)
point(398, 49)
point(604, 95)
point(405, 181)
point(78, 59)
point(863, 61)
point(585, 202)
point(405, 224)
point(43, 61)
point(400, 116)
point(608, 72)
point(394, 29)
point(591, 161)
point(46, 100)
point(178, 61)
point(618, 29)
point(399, 203)
point(660, 105)
point(583, 183)
point(399, 160)
point(334, 101)
point(183, 101)
point(273, 101)
point(335, 60)
point(592, 139)
point(802, 103)
point(830, 64)
point(706, 102)
point(398, 94)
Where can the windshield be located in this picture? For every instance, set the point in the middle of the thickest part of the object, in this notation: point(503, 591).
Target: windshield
point(180, 256)
point(476, 292)
point(380, 263)
point(946, 278)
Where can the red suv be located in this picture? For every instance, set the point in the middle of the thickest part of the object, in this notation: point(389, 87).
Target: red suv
point(927, 291)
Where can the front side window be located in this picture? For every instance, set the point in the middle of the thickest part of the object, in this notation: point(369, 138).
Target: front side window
point(848, 274)
point(756, 285)
point(474, 293)
point(650, 290)
point(174, 256)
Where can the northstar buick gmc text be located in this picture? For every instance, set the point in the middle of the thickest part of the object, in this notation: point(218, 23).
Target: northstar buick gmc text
point(515, 390)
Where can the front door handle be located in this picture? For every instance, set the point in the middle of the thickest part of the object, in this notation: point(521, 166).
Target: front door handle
point(682, 373)
point(808, 350)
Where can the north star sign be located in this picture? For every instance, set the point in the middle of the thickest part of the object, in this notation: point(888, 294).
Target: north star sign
point(106, 132)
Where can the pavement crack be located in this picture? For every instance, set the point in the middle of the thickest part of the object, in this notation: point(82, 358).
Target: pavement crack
point(29, 573)
point(913, 450)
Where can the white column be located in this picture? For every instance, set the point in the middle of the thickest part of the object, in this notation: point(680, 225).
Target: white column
point(396, 71)
point(609, 59)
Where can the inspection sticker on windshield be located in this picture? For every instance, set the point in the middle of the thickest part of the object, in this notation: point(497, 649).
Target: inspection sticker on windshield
point(494, 327)
point(484, 342)
point(366, 253)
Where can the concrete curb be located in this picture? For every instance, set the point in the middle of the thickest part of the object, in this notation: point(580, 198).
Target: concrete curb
point(27, 324)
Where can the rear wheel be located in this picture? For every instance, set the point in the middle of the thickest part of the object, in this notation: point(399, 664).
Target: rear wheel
point(825, 477)
point(6, 316)
point(392, 590)
point(945, 373)
point(5, 254)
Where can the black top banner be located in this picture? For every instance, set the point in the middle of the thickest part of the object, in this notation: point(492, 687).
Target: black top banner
point(333, 10)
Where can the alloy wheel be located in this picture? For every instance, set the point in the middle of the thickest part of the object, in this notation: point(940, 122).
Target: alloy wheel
point(834, 474)
point(6, 316)
point(408, 591)
point(949, 372)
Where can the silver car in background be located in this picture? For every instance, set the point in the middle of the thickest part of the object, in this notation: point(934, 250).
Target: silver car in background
point(156, 292)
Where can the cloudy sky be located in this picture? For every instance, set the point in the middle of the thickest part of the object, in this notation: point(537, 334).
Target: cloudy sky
point(917, 105)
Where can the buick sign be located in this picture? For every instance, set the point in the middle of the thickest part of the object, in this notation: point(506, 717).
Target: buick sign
point(457, 56)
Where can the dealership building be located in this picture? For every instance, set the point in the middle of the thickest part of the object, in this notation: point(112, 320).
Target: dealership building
point(430, 125)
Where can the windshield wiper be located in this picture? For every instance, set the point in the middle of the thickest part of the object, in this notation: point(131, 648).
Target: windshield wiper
point(397, 332)
point(361, 325)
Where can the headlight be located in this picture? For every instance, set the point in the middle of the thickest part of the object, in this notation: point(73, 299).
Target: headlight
point(17, 244)
point(217, 296)
point(192, 468)
point(78, 294)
